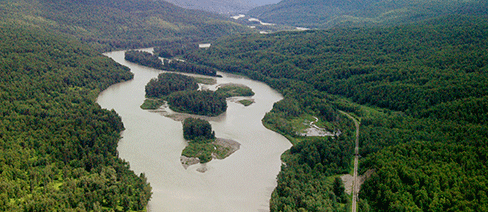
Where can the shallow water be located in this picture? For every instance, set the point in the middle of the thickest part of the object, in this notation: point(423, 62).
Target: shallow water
point(153, 143)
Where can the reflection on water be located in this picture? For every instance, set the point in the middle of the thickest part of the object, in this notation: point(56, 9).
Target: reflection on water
point(152, 143)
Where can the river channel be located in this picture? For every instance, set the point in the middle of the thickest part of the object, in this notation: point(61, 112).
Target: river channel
point(152, 144)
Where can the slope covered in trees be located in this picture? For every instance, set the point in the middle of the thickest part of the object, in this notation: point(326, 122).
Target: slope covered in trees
point(422, 129)
point(57, 146)
point(329, 13)
point(120, 24)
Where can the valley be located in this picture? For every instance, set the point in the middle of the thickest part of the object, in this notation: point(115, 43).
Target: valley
point(74, 136)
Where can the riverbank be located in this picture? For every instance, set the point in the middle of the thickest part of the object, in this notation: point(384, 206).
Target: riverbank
point(152, 144)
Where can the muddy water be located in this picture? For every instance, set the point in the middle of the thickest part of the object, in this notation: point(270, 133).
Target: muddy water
point(152, 144)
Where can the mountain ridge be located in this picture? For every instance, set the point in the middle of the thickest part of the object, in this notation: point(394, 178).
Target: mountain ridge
point(324, 14)
point(120, 24)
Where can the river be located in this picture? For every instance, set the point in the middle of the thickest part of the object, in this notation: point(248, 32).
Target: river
point(152, 144)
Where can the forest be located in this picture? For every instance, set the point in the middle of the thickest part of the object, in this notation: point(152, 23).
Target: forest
point(144, 58)
point(121, 24)
point(206, 103)
point(326, 14)
point(176, 48)
point(181, 93)
point(176, 65)
point(57, 146)
point(418, 89)
point(197, 129)
point(153, 61)
point(167, 83)
point(200, 138)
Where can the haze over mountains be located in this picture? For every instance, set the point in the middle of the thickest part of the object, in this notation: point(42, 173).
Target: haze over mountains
point(222, 6)
point(120, 24)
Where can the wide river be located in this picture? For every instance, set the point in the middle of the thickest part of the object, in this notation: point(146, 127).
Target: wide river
point(152, 144)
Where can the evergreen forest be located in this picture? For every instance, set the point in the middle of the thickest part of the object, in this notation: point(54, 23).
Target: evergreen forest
point(325, 14)
point(57, 146)
point(206, 103)
point(153, 61)
point(419, 91)
point(167, 83)
point(120, 24)
point(414, 73)
point(144, 58)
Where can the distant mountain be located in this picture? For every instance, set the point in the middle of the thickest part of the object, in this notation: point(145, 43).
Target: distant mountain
point(329, 13)
point(218, 6)
point(119, 23)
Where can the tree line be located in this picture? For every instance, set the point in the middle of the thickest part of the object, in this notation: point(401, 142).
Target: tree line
point(59, 148)
point(418, 90)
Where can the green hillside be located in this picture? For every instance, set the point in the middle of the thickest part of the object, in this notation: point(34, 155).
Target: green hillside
point(419, 90)
point(120, 24)
point(329, 13)
point(57, 146)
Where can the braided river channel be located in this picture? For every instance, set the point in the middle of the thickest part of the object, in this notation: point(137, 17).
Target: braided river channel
point(152, 143)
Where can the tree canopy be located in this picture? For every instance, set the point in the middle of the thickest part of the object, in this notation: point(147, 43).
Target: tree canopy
point(57, 146)
point(418, 89)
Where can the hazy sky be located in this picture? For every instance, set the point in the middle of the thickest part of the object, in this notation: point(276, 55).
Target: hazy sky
point(263, 2)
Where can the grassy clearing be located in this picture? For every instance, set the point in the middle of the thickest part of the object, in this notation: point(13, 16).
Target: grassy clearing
point(246, 102)
point(302, 123)
point(206, 80)
point(152, 104)
point(204, 150)
point(229, 90)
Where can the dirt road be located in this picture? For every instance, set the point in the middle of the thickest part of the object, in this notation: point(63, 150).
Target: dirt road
point(355, 190)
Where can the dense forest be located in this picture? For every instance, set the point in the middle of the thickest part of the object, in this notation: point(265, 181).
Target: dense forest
point(183, 66)
point(176, 48)
point(200, 137)
point(144, 58)
point(207, 103)
point(116, 24)
point(195, 129)
point(167, 83)
point(153, 61)
point(181, 93)
point(57, 146)
point(323, 14)
point(421, 90)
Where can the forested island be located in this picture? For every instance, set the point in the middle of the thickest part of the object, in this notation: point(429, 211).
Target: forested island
point(202, 143)
point(230, 90)
point(144, 58)
point(181, 93)
point(153, 61)
point(207, 103)
point(418, 85)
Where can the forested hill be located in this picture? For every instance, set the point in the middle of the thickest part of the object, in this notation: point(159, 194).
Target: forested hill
point(120, 23)
point(329, 13)
point(57, 146)
point(420, 91)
